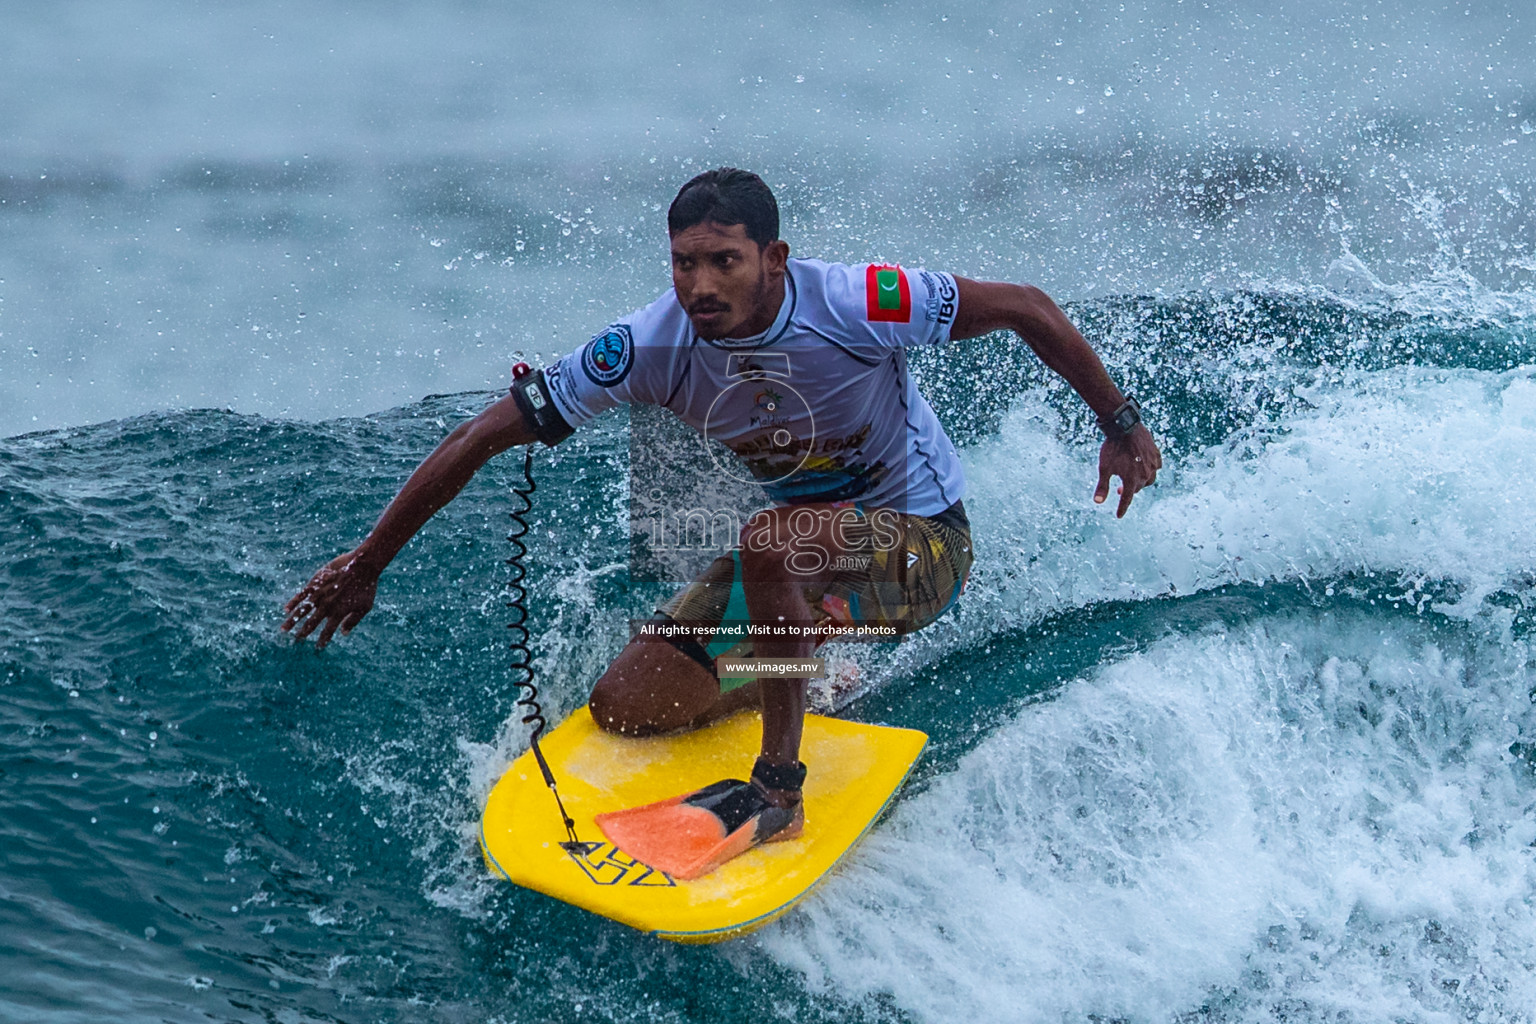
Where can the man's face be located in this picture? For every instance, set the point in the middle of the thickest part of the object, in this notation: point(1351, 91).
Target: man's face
point(727, 284)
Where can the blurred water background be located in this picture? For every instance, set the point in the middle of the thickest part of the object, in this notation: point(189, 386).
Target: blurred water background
point(1263, 751)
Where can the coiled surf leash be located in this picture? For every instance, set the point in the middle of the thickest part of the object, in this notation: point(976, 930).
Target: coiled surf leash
point(522, 657)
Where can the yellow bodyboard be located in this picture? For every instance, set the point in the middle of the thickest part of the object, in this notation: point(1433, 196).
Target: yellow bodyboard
point(855, 770)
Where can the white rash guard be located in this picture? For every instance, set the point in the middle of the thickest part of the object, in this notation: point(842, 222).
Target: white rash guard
point(820, 407)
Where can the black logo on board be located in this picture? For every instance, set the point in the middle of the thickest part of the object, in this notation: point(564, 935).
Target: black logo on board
point(606, 864)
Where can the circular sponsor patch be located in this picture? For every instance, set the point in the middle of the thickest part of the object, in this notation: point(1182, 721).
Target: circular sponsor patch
point(607, 357)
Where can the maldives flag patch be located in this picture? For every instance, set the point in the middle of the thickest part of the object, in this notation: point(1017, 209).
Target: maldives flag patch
point(887, 295)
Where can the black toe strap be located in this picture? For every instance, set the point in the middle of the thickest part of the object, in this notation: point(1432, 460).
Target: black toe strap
point(732, 801)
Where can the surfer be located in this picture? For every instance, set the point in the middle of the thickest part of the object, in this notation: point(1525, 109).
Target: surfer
point(799, 366)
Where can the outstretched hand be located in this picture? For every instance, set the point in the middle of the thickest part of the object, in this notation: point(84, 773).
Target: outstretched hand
point(338, 596)
point(1135, 459)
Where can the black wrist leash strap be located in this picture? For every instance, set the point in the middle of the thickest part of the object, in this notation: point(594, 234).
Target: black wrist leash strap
point(522, 658)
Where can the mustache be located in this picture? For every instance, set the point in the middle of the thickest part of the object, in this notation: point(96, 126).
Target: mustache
point(708, 306)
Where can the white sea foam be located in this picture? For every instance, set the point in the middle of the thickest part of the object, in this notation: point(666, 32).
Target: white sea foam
point(1409, 471)
point(1320, 812)
point(1445, 292)
point(1314, 815)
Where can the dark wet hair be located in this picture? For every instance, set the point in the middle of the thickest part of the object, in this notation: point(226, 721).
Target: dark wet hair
point(727, 196)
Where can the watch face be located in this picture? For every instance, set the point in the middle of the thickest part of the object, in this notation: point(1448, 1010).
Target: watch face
point(1123, 421)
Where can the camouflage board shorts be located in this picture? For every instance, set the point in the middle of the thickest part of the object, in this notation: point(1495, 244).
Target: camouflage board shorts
point(902, 573)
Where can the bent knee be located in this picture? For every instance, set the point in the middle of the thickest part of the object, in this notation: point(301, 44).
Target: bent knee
point(610, 708)
point(650, 689)
point(621, 708)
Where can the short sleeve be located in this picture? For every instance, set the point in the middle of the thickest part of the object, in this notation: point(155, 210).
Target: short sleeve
point(591, 379)
point(891, 305)
point(940, 299)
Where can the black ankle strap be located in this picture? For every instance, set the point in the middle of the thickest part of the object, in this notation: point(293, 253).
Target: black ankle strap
point(779, 776)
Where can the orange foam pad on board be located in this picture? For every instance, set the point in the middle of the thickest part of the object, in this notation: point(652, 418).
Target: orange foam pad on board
point(685, 841)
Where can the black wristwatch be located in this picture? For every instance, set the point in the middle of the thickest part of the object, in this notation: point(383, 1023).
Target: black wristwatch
point(1123, 421)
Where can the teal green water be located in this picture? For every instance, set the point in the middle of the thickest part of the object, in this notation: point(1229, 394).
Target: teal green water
point(1261, 752)
point(1258, 752)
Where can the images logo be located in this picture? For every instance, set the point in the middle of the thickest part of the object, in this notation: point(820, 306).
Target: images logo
point(782, 419)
